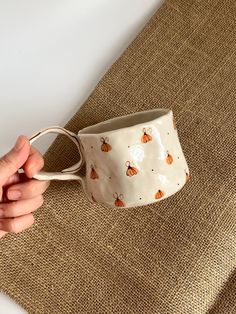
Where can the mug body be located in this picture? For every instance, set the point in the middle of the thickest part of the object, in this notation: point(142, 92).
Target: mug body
point(133, 160)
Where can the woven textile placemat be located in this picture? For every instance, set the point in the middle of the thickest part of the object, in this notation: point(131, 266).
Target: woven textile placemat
point(177, 256)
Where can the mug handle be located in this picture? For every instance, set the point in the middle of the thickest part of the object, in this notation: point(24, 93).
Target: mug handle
point(65, 174)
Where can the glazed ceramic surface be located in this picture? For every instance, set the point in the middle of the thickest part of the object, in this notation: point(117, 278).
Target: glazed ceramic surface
point(130, 161)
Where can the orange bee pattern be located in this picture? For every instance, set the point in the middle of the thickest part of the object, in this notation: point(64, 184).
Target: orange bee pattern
point(169, 158)
point(131, 171)
point(105, 147)
point(119, 200)
point(93, 173)
point(146, 137)
point(159, 194)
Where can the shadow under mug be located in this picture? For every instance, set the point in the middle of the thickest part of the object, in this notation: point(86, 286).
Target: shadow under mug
point(131, 160)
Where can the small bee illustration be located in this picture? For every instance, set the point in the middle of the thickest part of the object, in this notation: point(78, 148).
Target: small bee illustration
point(93, 173)
point(105, 147)
point(131, 171)
point(174, 124)
point(118, 200)
point(146, 137)
point(159, 194)
point(187, 176)
point(169, 158)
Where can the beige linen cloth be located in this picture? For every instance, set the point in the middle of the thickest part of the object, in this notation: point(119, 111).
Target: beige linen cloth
point(177, 256)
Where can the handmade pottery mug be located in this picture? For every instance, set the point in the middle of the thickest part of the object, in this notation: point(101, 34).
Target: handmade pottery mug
point(131, 160)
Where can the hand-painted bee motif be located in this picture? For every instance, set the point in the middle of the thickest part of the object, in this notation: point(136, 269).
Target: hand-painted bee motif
point(187, 176)
point(105, 147)
point(93, 173)
point(119, 200)
point(131, 171)
point(146, 137)
point(159, 194)
point(174, 123)
point(169, 158)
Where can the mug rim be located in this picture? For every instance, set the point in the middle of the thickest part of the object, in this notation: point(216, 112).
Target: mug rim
point(167, 111)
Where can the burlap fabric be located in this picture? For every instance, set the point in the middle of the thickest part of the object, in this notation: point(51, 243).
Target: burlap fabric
point(176, 256)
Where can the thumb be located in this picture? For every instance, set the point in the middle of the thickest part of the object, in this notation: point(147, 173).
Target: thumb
point(14, 159)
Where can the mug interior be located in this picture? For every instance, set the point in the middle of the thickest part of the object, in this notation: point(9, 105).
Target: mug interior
point(125, 121)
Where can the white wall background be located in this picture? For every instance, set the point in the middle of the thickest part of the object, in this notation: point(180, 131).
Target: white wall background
point(52, 55)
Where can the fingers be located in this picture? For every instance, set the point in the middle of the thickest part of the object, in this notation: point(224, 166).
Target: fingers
point(12, 179)
point(34, 163)
point(27, 189)
point(14, 159)
point(17, 224)
point(20, 208)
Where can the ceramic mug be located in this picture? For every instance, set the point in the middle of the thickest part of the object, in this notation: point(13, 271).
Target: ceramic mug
point(131, 160)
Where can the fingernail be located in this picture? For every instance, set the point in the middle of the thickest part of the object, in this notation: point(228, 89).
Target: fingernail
point(1, 213)
point(19, 143)
point(13, 194)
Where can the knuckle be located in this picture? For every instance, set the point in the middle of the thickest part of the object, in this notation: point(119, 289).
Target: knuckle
point(3, 162)
point(6, 161)
point(12, 207)
point(13, 225)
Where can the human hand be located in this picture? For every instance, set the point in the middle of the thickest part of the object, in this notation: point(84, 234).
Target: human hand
point(20, 194)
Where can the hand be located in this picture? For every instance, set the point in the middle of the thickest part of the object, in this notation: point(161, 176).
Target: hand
point(20, 195)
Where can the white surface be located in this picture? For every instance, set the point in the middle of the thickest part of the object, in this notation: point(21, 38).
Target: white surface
point(52, 54)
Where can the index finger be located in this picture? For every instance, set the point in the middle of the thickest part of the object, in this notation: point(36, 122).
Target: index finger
point(34, 163)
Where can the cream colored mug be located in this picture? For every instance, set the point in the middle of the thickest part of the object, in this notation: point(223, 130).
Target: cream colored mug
point(131, 160)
